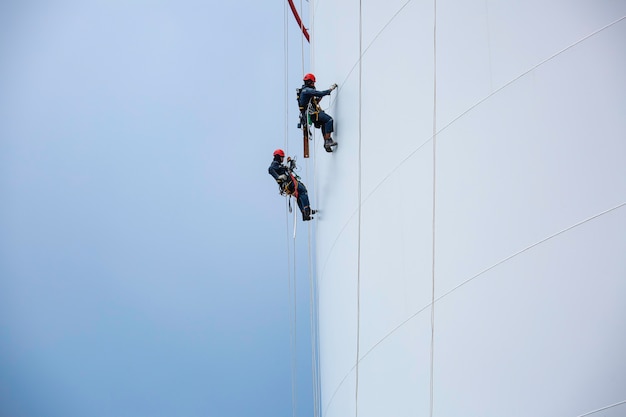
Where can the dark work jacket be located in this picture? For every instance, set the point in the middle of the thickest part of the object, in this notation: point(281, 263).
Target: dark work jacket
point(309, 92)
point(276, 169)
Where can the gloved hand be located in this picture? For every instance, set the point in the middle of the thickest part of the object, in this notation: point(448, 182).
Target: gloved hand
point(332, 87)
point(281, 178)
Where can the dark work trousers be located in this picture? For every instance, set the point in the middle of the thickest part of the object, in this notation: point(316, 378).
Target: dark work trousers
point(324, 121)
point(303, 197)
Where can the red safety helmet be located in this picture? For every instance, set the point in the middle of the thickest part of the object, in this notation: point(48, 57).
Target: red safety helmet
point(279, 152)
point(309, 77)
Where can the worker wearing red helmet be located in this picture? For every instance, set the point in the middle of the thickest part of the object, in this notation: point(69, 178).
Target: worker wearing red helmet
point(289, 183)
point(309, 95)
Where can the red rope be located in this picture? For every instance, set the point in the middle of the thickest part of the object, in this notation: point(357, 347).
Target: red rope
point(295, 14)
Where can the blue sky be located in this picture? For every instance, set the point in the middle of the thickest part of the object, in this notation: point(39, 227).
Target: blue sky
point(143, 246)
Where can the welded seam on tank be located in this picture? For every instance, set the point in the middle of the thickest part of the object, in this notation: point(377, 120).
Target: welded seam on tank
point(332, 101)
point(469, 109)
point(427, 306)
point(362, 52)
point(603, 408)
point(508, 258)
point(411, 154)
point(434, 217)
point(358, 275)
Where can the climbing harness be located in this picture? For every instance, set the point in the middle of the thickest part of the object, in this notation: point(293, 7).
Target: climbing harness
point(290, 187)
point(312, 109)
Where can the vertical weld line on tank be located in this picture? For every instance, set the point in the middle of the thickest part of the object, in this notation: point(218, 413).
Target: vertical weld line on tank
point(358, 324)
point(432, 311)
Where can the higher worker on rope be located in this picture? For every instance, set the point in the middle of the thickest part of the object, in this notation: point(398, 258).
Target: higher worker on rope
point(288, 183)
point(308, 95)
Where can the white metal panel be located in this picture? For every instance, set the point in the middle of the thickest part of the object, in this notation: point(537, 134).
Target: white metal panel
point(540, 333)
point(398, 76)
point(398, 388)
point(396, 253)
point(483, 45)
point(531, 161)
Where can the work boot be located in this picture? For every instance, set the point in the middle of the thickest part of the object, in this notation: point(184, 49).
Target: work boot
point(328, 143)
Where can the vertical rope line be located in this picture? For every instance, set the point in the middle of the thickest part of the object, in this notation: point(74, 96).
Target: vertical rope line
point(358, 284)
point(312, 35)
point(295, 329)
point(302, 38)
point(311, 303)
point(312, 332)
point(286, 78)
point(286, 73)
point(434, 207)
point(294, 298)
point(312, 297)
point(292, 329)
point(292, 325)
point(318, 388)
point(312, 54)
point(292, 318)
point(318, 384)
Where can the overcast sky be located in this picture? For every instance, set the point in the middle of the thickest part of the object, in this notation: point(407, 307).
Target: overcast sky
point(144, 251)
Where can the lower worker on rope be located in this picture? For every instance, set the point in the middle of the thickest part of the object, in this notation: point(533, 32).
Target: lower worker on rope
point(288, 182)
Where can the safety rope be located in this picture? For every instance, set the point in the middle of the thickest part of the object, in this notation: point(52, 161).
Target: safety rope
point(294, 309)
point(305, 34)
point(293, 277)
point(290, 265)
point(292, 320)
point(313, 332)
point(313, 298)
point(315, 303)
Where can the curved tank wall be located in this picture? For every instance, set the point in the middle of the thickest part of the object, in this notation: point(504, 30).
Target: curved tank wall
point(481, 165)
